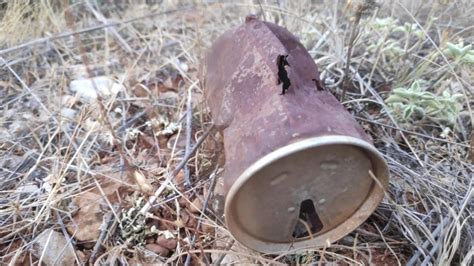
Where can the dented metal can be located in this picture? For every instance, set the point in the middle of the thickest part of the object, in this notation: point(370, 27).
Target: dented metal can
point(300, 171)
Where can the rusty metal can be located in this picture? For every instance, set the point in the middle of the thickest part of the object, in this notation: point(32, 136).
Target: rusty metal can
point(300, 171)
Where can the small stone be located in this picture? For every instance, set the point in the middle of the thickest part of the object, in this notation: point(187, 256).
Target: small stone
point(183, 67)
point(68, 101)
point(196, 205)
point(167, 234)
point(192, 222)
point(89, 89)
point(167, 243)
point(179, 182)
point(81, 256)
point(168, 95)
point(28, 189)
point(54, 248)
point(140, 91)
point(183, 202)
point(179, 222)
point(142, 182)
point(68, 113)
point(207, 228)
point(168, 83)
point(162, 251)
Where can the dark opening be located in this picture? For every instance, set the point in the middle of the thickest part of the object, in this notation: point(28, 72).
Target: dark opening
point(308, 222)
point(282, 73)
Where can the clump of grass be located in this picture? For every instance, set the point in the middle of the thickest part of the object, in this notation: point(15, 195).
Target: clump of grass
point(25, 20)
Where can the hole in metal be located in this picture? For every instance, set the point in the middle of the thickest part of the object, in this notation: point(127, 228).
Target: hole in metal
point(282, 74)
point(308, 222)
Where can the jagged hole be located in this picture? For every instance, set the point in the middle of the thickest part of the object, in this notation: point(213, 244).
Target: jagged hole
point(308, 222)
point(282, 73)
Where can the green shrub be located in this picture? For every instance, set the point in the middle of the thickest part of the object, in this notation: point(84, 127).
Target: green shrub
point(416, 103)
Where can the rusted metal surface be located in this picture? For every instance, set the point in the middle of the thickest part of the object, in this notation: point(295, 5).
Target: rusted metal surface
point(292, 151)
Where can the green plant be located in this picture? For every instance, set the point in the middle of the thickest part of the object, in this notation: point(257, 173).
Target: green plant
point(415, 102)
point(460, 53)
point(408, 28)
point(391, 48)
point(387, 23)
point(397, 40)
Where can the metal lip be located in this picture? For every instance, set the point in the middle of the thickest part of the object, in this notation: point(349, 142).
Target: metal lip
point(373, 199)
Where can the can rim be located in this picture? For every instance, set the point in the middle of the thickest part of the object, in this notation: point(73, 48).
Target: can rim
point(357, 218)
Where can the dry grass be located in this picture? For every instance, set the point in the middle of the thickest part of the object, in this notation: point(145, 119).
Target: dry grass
point(55, 148)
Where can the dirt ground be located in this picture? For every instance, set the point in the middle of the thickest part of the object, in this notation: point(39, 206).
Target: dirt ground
point(101, 107)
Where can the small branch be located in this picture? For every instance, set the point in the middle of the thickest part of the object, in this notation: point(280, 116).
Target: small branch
point(130, 121)
point(361, 9)
point(414, 133)
point(414, 259)
point(38, 100)
point(198, 226)
point(25, 86)
point(346, 80)
point(99, 16)
point(93, 28)
point(67, 237)
point(173, 174)
point(222, 256)
point(189, 119)
point(382, 103)
point(262, 10)
point(106, 222)
point(103, 111)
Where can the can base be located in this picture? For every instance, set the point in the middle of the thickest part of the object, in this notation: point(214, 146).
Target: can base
point(306, 194)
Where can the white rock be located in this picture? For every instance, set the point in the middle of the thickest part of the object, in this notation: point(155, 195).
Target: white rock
point(184, 67)
point(181, 65)
point(53, 248)
point(68, 113)
point(68, 100)
point(18, 128)
point(167, 234)
point(118, 110)
point(91, 124)
point(88, 89)
point(47, 187)
point(27, 188)
point(78, 71)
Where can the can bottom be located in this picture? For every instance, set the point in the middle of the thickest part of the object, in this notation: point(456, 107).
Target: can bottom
point(306, 194)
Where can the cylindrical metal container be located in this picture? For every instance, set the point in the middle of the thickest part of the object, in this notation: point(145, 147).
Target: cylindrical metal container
point(300, 171)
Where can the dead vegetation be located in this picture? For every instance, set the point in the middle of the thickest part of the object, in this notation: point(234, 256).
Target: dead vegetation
point(105, 138)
